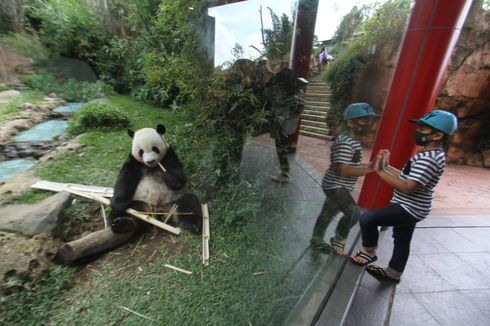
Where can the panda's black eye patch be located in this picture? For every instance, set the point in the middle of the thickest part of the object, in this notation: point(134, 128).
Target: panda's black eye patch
point(141, 153)
point(155, 149)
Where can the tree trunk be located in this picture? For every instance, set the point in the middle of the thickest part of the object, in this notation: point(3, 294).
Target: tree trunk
point(91, 244)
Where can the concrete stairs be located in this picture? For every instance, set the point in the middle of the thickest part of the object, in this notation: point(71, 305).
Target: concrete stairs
point(313, 119)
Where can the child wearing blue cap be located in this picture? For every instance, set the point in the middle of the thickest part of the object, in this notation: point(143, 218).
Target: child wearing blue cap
point(412, 197)
point(340, 178)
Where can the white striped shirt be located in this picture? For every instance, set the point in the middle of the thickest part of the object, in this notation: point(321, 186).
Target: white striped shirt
point(425, 168)
point(347, 150)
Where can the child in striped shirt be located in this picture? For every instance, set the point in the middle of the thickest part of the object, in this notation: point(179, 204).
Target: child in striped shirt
point(412, 198)
point(340, 178)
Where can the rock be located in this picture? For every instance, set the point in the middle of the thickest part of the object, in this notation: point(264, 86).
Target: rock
point(474, 159)
point(26, 106)
point(36, 218)
point(486, 157)
point(8, 95)
point(24, 258)
point(14, 186)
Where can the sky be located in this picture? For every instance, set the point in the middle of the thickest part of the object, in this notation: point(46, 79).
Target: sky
point(240, 22)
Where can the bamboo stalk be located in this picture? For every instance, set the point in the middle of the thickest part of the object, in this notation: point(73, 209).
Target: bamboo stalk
point(161, 167)
point(178, 269)
point(102, 209)
point(131, 211)
point(205, 234)
point(136, 313)
point(174, 208)
point(165, 213)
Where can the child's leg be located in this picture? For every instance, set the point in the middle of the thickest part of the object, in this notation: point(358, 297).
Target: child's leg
point(402, 236)
point(348, 206)
point(329, 210)
point(391, 215)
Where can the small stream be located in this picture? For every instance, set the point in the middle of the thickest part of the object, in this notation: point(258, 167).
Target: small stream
point(22, 154)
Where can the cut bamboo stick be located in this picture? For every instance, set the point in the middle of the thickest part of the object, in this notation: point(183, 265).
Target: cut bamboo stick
point(53, 186)
point(205, 234)
point(104, 216)
point(171, 212)
point(161, 167)
point(131, 211)
point(178, 269)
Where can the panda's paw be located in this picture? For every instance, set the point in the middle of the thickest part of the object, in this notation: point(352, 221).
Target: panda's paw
point(123, 225)
point(191, 227)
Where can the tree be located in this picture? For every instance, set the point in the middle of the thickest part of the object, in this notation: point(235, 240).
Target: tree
point(277, 41)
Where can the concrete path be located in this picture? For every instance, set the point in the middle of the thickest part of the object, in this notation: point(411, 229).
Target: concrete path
point(446, 282)
point(7, 96)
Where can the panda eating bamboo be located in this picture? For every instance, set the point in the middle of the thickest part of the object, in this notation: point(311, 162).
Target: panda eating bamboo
point(153, 180)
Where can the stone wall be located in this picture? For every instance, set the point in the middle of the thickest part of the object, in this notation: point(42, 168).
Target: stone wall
point(466, 90)
point(13, 65)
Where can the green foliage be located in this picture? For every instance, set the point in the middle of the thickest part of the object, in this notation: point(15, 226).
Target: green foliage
point(113, 61)
point(347, 28)
point(278, 39)
point(387, 24)
point(384, 24)
point(97, 115)
point(3, 87)
point(71, 90)
point(342, 76)
point(25, 44)
point(70, 28)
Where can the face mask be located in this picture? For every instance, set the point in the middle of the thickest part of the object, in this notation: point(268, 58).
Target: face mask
point(420, 138)
point(362, 129)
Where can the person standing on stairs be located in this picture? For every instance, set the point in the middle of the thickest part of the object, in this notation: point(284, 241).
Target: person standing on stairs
point(340, 178)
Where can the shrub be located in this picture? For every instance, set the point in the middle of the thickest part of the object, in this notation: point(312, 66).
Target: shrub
point(71, 90)
point(97, 115)
point(3, 87)
point(342, 76)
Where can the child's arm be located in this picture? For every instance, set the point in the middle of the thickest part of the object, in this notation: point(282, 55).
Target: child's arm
point(406, 186)
point(346, 170)
point(391, 169)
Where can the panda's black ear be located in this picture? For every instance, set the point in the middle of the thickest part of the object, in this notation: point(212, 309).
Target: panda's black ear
point(161, 129)
point(130, 133)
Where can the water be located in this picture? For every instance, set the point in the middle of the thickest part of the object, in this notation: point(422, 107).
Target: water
point(69, 108)
point(45, 131)
point(8, 169)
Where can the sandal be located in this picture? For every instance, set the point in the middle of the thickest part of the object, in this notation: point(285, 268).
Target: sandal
point(321, 245)
point(380, 274)
point(335, 244)
point(364, 256)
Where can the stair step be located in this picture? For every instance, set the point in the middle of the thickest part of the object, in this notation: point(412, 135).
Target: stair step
point(314, 117)
point(319, 104)
point(317, 130)
point(312, 123)
point(320, 112)
point(314, 135)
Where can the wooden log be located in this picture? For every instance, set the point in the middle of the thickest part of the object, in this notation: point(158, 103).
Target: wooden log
point(91, 244)
point(205, 234)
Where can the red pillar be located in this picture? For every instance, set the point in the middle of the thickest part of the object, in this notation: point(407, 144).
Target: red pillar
point(304, 31)
point(429, 41)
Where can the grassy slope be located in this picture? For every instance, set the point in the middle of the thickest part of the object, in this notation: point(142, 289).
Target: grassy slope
point(225, 293)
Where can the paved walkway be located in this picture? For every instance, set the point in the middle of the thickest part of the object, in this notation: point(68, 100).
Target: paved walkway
point(462, 190)
point(446, 282)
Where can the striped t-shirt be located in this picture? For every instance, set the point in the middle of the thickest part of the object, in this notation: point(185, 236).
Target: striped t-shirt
point(347, 150)
point(426, 168)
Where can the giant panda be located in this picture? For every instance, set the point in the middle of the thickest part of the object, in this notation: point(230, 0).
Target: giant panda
point(144, 186)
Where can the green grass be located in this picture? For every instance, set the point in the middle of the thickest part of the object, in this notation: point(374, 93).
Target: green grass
point(10, 110)
point(225, 293)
